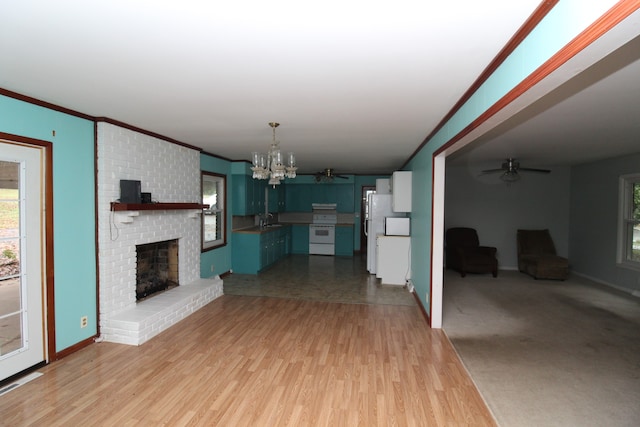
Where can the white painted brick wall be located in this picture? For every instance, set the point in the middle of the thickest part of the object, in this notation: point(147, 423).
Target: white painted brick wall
point(172, 174)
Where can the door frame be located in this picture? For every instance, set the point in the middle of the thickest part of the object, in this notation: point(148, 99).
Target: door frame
point(48, 276)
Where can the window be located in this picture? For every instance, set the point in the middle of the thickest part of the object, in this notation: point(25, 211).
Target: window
point(214, 218)
point(629, 232)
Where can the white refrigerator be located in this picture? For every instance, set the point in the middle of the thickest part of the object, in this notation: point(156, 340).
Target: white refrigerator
point(379, 207)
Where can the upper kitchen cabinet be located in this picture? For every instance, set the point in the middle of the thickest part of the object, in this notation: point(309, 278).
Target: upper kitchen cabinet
point(241, 194)
point(259, 196)
point(277, 198)
point(345, 198)
point(247, 195)
point(401, 191)
point(299, 197)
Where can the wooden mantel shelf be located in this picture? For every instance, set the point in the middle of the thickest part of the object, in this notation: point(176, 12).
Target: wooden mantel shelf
point(116, 206)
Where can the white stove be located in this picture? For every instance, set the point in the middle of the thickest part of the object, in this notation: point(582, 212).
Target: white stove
point(322, 230)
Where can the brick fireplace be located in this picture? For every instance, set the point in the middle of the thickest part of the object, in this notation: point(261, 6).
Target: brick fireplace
point(172, 174)
point(156, 268)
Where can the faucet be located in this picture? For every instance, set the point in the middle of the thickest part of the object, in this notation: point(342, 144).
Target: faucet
point(264, 219)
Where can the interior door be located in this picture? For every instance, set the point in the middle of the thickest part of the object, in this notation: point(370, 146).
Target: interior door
point(21, 258)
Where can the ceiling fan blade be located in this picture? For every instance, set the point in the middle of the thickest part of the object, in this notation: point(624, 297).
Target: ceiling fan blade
point(492, 171)
point(341, 176)
point(534, 170)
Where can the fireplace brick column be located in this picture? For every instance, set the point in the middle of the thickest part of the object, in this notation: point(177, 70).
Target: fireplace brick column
point(172, 174)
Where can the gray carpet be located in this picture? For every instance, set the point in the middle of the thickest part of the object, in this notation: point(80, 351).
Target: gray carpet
point(547, 353)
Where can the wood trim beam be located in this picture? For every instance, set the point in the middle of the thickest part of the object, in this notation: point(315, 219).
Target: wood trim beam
point(145, 132)
point(536, 17)
point(605, 23)
point(45, 104)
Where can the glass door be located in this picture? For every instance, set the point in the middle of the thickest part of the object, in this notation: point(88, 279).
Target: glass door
point(21, 272)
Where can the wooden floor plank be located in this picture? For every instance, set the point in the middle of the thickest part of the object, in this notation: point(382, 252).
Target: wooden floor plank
point(262, 361)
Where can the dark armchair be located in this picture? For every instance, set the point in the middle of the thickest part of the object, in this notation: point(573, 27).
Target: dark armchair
point(464, 253)
point(537, 256)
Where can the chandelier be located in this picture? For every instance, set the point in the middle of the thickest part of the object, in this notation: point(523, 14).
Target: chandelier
point(271, 165)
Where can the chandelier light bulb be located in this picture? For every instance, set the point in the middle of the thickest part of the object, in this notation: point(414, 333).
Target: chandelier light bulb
point(271, 166)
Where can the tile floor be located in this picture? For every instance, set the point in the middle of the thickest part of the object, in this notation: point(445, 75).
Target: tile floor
point(319, 278)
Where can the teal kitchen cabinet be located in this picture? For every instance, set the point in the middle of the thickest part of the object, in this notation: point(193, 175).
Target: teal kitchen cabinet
point(298, 198)
point(242, 194)
point(344, 240)
point(246, 254)
point(345, 198)
point(247, 195)
point(259, 187)
point(256, 250)
point(300, 239)
point(277, 199)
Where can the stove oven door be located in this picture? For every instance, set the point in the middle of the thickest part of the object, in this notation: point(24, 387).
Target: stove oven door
point(322, 239)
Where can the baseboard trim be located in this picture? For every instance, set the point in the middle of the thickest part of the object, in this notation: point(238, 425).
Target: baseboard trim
point(69, 350)
point(632, 292)
point(424, 312)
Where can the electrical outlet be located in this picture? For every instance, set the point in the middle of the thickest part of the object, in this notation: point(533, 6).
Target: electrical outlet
point(84, 320)
point(212, 268)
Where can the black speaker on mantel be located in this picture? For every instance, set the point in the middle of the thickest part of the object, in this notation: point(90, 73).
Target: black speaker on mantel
point(130, 191)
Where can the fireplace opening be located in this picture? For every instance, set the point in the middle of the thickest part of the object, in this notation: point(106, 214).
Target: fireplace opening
point(156, 268)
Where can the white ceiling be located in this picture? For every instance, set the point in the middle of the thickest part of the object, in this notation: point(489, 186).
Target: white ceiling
point(356, 85)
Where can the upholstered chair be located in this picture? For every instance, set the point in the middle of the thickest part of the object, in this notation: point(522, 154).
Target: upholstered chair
point(537, 256)
point(464, 253)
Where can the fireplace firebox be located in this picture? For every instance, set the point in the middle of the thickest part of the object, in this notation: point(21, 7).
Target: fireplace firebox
point(156, 268)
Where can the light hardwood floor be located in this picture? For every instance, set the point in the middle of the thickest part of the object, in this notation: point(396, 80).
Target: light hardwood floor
point(259, 361)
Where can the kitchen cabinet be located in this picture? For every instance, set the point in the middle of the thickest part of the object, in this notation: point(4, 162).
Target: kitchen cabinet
point(300, 239)
point(259, 187)
point(344, 240)
point(247, 195)
point(401, 191)
point(277, 199)
point(240, 197)
point(299, 197)
point(255, 251)
point(345, 198)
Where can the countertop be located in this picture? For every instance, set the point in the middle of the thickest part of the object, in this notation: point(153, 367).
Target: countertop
point(259, 230)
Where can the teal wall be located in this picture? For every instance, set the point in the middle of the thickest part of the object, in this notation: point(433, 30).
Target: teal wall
point(219, 258)
point(565, 21)
point(73, 211)
point(74, 176)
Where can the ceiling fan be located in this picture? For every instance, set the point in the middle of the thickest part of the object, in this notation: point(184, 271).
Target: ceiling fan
point(510, 169)
point(328, 174)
